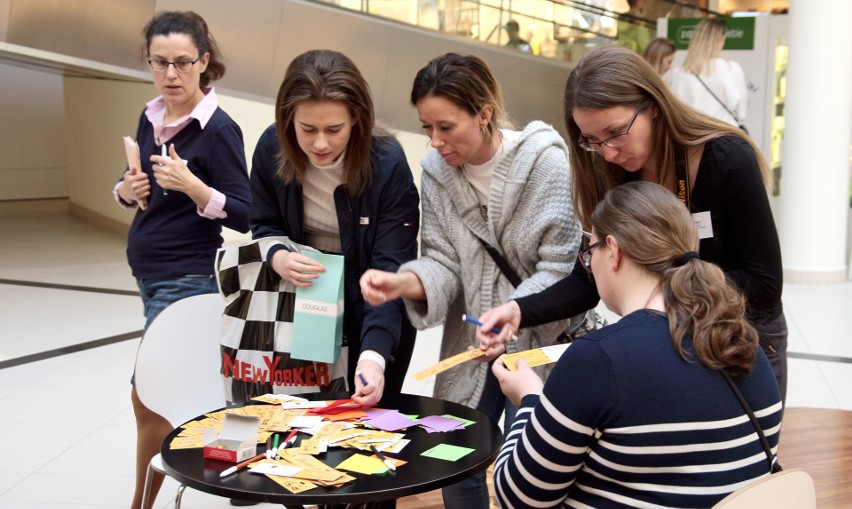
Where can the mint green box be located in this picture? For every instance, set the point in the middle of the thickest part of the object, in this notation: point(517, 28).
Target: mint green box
point(318, 313)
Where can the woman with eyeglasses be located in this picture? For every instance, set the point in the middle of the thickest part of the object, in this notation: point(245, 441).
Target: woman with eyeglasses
point(192, 182)
point(484, 184)
point(639, 413)
point(624, 124)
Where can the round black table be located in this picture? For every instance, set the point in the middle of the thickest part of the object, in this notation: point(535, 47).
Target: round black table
point(420, 474)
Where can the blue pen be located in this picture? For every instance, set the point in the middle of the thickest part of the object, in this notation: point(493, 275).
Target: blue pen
point(495, 330)
point(363, 380)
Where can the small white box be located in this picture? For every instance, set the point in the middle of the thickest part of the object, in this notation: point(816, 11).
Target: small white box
point(237, 441)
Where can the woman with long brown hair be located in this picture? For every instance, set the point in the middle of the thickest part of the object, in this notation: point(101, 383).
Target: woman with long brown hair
point(624, 124)
point(639, 413)
point(325, 175)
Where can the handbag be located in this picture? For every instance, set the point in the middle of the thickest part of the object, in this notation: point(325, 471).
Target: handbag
point(737, 120)
point(580, 324)
point(256, 342)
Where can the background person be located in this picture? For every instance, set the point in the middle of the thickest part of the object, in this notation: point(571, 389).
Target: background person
point(709, 83)
point(201, 186)
point(659, 53)
point(326, 176)
point(513, 30)
point(649, 419)
point(624, 124)
point(632, 33)
point(509, 189)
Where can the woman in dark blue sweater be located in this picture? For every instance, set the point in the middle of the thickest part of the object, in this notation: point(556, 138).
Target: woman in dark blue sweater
point(639, 414)
point(326, 176)
point(182, 199)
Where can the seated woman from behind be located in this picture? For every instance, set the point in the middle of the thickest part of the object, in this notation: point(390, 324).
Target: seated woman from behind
point(638, 414)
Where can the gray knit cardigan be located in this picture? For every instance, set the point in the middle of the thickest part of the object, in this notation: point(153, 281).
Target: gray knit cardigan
point(530, 221)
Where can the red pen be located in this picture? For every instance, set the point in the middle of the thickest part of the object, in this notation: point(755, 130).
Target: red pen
point(291, 438)
point(238, 466)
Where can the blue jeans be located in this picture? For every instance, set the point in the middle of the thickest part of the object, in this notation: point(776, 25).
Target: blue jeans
point(472, 493)
point(157, 294)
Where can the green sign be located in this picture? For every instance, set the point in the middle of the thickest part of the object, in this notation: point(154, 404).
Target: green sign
point(740, 32)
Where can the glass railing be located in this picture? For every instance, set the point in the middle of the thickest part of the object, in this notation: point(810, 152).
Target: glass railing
point(560, 29)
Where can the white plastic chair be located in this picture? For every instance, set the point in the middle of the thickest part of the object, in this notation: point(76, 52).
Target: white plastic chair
point(177, 367)
point(791, 489)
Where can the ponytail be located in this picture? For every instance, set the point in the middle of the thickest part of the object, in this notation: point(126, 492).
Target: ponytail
point(656, 231)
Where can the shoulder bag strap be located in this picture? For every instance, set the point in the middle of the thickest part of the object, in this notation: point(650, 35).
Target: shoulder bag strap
point(773, 460)
point(501, 262)
point(737, 120)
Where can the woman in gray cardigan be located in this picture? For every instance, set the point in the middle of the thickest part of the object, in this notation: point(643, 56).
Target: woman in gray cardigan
point(481, 184)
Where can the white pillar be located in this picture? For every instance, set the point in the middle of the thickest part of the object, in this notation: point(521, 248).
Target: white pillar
point(814, 204)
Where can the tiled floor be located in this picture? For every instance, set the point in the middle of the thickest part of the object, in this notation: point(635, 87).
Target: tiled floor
point(66, 427)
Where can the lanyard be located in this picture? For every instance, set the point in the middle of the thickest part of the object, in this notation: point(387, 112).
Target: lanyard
point(682, 179)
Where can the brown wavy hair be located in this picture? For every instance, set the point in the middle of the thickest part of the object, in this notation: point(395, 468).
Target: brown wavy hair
point(611, 76)
point(654, 230)
point(326, 75)
point(191, 24)
point(467, 82)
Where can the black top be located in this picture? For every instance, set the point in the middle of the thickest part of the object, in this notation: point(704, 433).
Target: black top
point(744, 244)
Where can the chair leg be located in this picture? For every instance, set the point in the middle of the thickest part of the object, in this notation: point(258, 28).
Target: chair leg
point(179, 495)
point(146, 494)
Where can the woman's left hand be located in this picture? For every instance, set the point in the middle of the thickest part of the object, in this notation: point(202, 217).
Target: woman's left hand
point(517, 384)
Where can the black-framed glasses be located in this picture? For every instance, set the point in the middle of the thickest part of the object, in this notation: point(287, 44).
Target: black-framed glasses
point(180, 66)
point(585, 255)
point(611, 142)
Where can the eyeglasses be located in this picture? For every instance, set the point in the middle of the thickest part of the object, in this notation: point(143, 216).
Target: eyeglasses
point(612, 142)
point(585, 255)
point(180, 65)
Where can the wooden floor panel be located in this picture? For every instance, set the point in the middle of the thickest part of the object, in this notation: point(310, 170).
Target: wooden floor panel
point(819, 441)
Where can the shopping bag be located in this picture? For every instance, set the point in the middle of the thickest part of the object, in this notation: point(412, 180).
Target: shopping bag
point(318, 317)
point(257, 329)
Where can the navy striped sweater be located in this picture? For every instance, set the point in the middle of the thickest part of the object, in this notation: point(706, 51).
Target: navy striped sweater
point(623, 421)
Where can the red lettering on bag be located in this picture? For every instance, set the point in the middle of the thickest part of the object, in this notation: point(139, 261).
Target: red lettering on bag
point(287, 377)
point(310, 375)
point(245, 372)
point(322, 374)
point(271, 366)
point(229, 367)
point(259, 374)
point(297, 376)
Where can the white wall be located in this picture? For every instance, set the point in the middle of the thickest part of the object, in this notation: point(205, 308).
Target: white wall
point(32, 134)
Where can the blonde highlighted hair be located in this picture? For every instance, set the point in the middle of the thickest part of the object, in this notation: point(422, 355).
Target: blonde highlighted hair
point(705, 45)
point(658, 49)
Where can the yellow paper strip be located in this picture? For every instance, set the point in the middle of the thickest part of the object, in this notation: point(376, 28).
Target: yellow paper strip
point(536, 356)
point(448, 363)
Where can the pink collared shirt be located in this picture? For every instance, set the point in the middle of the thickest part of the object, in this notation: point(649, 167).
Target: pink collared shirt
point(155, 111)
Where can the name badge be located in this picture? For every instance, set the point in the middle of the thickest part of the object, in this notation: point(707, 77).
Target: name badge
point(703, 224)
point(364, 220)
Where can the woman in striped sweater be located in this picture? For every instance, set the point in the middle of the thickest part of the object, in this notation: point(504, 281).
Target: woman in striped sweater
point(638, 413)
